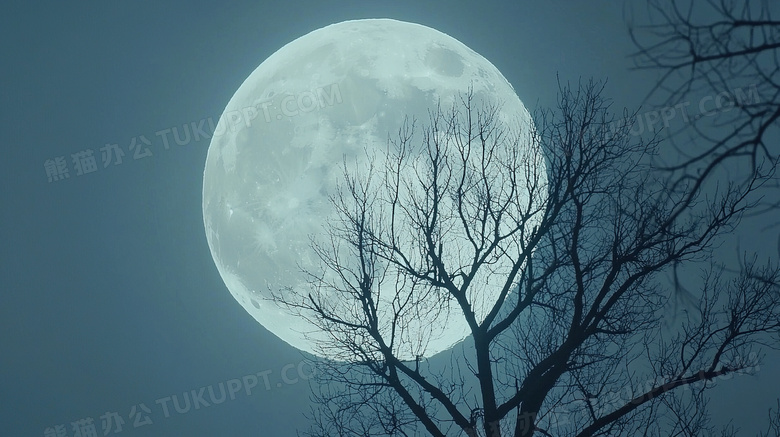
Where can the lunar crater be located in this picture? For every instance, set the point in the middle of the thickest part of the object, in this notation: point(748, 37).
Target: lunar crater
point(445, 62)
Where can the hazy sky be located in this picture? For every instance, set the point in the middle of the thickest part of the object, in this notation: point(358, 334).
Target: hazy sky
point(111, 302)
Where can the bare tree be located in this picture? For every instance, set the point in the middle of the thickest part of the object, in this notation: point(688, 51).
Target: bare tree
point(719, 49)
point(564, 327)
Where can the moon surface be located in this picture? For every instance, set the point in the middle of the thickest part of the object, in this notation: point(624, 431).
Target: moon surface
point(279, 148)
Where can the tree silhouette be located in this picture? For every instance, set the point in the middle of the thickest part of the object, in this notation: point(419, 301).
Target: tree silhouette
point(568, 339)
point(720, 48)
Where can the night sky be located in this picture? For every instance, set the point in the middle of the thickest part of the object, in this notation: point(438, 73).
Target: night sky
point(111, 302)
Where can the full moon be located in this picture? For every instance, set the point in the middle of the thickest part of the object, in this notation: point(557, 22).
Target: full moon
point(278, 151)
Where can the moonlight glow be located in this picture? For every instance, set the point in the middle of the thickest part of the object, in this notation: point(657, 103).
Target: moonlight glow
point(280, 144)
